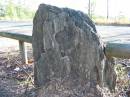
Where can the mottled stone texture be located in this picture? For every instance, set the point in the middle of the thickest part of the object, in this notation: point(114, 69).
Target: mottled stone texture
point(67, 48)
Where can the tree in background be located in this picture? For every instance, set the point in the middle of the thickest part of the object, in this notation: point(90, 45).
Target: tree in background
point(91, 7)
point(2, 11)
point(15, 10)
point(107, 9)
point(10, 12)
point(2, 8)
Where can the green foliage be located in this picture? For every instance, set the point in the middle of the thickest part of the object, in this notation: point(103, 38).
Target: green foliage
point(2, 10)
point(15, 12)
point(9, 9)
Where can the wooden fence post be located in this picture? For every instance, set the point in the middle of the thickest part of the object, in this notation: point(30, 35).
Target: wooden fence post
point(23, 52)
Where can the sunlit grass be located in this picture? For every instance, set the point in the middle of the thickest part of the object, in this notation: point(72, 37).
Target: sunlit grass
point(114, 21)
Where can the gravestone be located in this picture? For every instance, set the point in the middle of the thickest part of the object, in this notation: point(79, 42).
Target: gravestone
point(68, 54)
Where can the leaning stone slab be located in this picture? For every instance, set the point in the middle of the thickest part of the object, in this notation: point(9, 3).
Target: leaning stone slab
point(68, 53)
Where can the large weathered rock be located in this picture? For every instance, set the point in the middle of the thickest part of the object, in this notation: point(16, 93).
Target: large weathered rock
point(68, 49)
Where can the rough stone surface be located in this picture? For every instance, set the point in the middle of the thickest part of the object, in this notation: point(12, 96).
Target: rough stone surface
point(68, 52)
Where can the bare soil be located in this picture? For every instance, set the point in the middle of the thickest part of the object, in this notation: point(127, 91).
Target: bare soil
point(16, 78)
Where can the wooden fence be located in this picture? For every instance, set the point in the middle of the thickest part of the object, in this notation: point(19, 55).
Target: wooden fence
point(119, 50)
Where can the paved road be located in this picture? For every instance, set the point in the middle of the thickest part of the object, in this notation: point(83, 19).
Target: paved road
point(107, 33)
point(114, 33)
point(16, 27)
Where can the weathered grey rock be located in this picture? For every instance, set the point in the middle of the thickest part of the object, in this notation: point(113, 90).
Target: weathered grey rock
point(67, 47)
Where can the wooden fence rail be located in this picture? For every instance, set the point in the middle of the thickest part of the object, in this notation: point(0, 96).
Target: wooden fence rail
point(17, 36)
point(21, 38)
point(119, 50)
